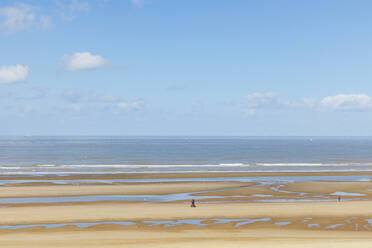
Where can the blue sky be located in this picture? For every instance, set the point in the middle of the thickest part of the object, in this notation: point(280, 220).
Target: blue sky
point(165, 67)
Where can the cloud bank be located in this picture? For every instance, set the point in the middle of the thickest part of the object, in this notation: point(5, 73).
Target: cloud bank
point(13, 74)
point(83, 61)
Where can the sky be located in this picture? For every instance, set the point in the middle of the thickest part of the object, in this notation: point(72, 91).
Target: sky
point(187, 67)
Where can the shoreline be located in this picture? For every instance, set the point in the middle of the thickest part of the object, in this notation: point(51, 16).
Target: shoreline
point(165, 175)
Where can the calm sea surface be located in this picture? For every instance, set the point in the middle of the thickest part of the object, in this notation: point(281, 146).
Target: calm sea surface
point(38, 155)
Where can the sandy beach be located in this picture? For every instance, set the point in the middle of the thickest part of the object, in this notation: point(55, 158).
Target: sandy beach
point(305, 214)
point(185, 124)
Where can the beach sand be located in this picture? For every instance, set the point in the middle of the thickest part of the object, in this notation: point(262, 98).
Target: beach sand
point(276, 224)
point(41, 190)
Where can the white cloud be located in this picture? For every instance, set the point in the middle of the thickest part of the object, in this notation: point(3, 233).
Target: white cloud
point(79, 100)
point(347, 102)
point(83, 61)
point(22, 17)
point(258, 100)
point(13, 74)
point(308, 102)
point(73, 95)
point(342, 102)
point(130, 106)
point(75, 107)
point(69, 8)
point(139, 3)
point(268, 100)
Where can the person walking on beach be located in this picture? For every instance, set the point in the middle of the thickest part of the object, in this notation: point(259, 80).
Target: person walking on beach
point(193, 203)
point(339, 198)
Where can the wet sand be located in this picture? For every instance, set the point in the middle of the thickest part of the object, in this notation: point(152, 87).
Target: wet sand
point(330, 187)
point(175, 211)
point(265, 238)
point(175, 224)
point(41, 190)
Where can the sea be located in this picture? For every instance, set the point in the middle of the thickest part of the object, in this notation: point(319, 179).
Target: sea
point(40, 155)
